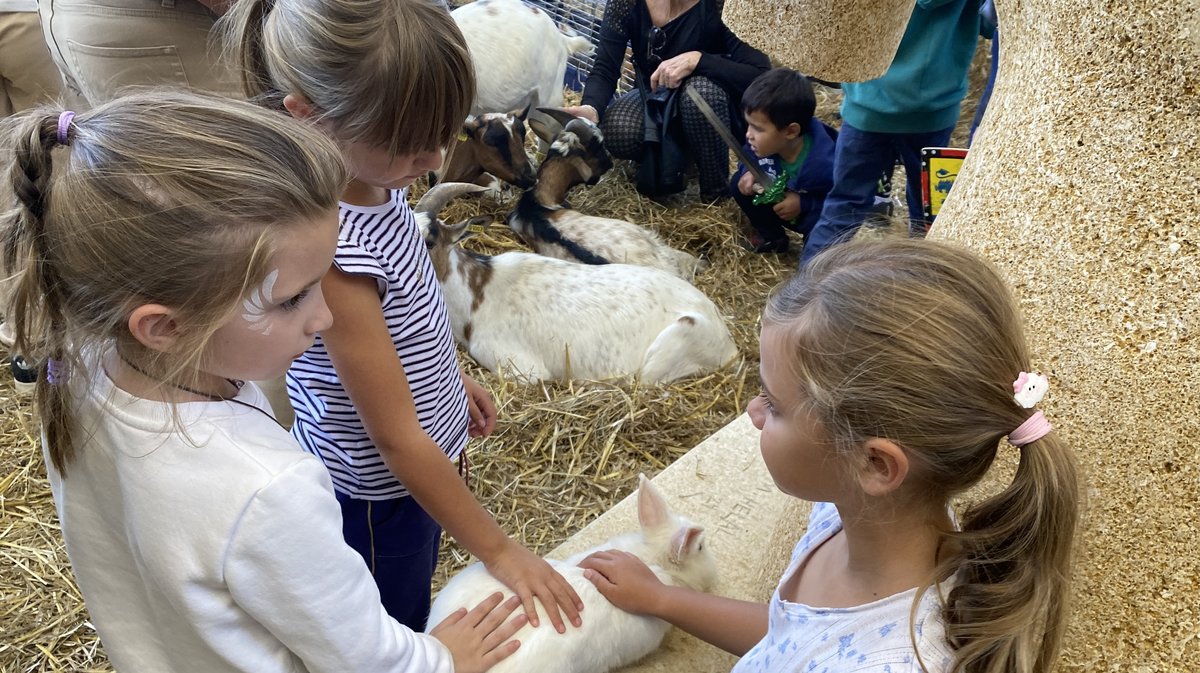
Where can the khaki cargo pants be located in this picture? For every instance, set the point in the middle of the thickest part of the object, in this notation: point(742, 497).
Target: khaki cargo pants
point(104, 46)
point(27, 75)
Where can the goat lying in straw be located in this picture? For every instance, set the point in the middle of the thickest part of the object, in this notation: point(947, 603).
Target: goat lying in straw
point(544, 221)
point(545, 318)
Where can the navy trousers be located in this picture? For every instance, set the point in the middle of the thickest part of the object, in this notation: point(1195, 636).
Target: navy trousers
point(399, 542)
point(860, 158)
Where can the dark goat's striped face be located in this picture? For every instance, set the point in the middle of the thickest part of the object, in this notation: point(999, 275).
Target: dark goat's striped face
point(502, 147)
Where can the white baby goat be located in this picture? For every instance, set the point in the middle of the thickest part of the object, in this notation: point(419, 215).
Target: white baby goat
point(546, 318)
point(544, 220)
point(520, 56)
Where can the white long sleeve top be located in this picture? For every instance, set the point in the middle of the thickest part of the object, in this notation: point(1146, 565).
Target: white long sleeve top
point(220, 550)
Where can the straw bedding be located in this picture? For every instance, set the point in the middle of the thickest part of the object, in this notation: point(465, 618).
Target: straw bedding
point(562, 453)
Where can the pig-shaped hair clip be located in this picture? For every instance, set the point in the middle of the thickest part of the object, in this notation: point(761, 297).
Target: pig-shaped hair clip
point(1029, 389)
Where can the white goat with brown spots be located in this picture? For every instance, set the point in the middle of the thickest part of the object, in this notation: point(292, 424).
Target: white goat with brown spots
point(544, 220)
point(545, 318)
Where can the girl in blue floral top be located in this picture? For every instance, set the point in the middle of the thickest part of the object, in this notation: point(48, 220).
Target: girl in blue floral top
point(892, 371)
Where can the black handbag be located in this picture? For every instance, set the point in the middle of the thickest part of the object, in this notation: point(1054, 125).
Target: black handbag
point(661, 170)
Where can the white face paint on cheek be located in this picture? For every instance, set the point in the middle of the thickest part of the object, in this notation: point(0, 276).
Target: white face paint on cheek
point(255, 306)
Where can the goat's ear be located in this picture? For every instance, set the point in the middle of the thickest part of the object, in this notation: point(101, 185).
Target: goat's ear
point(468, 228)
point(477, 225)
point(469, 127)
point(523, 113)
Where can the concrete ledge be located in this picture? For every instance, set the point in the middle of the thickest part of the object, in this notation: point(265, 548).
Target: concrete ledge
point(751, 528)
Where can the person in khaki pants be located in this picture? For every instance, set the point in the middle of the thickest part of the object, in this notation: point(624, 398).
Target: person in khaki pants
point(103, 46)
point(27, 78)
point(27, 75)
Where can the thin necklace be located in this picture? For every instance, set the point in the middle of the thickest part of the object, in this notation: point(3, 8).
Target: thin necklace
point(179, 386)
point(199, 393)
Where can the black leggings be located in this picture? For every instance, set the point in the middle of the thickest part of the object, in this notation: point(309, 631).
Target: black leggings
point(624, 121)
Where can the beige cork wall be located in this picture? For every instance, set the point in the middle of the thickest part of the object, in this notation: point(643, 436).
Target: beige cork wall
point(835, 40)
point(1083, 186)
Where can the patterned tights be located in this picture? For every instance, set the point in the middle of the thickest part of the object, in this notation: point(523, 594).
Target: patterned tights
point(624, 123)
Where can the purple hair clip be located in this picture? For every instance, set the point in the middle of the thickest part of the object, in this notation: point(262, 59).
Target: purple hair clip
point(56, 372)
point(64, 125)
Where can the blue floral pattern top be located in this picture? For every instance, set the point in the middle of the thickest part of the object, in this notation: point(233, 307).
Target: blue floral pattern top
point(871, 638)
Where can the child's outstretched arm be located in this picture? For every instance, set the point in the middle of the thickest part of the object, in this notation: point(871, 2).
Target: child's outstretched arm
point(628, 583)
point(365, 360)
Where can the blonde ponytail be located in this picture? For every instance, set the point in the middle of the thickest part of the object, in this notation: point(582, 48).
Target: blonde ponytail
point(1008, 609)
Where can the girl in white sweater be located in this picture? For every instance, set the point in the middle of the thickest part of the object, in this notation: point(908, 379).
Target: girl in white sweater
point(167, 248)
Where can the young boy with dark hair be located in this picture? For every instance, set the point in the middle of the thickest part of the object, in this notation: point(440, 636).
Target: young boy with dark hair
point(790, 146)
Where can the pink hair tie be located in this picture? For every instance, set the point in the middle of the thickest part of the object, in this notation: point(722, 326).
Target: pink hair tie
point(64, 125)
point(1034, 428)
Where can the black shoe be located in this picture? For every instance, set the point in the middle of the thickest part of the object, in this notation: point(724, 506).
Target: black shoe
point(754, 242)
point(25, 375)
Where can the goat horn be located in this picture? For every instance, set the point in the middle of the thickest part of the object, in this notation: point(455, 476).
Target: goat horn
point(582, 128)
point(561, 116)
point(438, 196)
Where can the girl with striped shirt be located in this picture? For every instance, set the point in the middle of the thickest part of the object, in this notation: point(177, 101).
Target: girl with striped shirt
point(380, 396)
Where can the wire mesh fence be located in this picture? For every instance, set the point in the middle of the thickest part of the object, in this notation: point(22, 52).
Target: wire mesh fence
point(583, 17)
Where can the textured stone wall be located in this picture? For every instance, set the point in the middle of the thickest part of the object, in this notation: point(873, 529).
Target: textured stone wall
point(1084, 187)
point(836, 40)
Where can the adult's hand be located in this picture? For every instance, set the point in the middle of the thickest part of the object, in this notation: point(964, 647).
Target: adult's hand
point(671, 72)
point(586, 111)
point(747, 186)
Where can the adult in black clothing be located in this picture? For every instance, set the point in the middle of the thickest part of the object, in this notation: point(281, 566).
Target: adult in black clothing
point(674, 43)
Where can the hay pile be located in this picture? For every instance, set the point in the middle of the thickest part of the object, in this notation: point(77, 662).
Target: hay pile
point(562, 453)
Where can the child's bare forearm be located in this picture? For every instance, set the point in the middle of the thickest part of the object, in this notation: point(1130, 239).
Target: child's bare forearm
point(435, 483)
point(364, 357)
point(732, 625)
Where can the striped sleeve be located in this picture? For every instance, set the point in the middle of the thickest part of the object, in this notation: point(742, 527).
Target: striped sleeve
point(384, 243)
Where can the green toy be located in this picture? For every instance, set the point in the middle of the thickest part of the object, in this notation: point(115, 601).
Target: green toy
point(774, 192)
